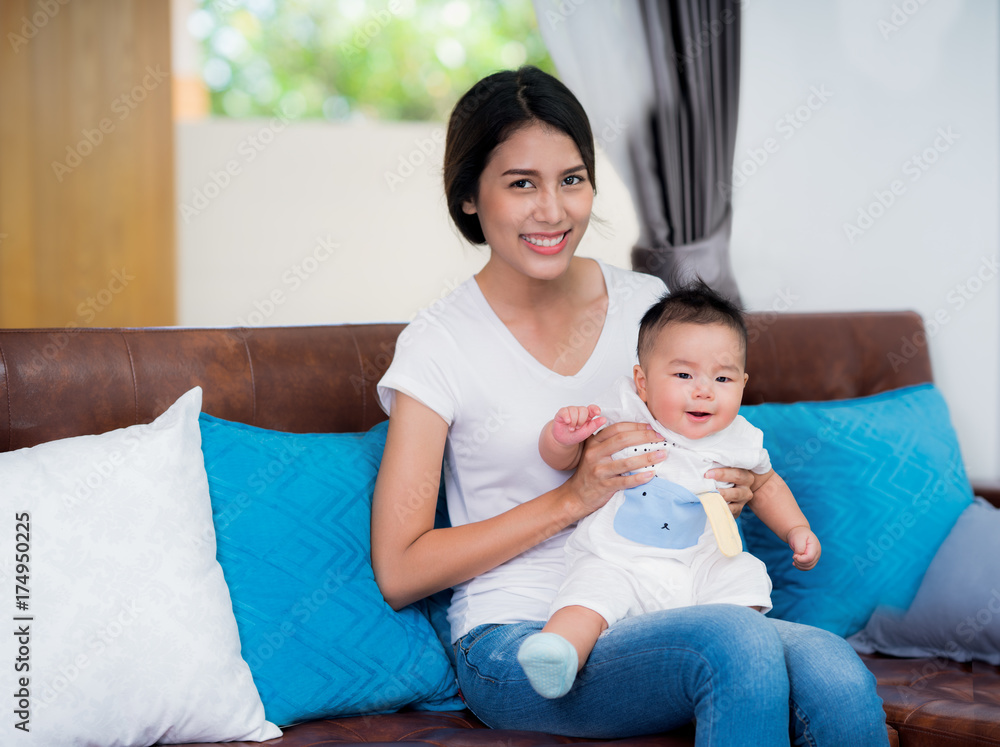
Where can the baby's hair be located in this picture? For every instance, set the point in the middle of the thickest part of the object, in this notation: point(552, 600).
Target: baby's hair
point(693, 303)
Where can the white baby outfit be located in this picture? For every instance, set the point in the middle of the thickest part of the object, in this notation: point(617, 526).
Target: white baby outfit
point(651, 548)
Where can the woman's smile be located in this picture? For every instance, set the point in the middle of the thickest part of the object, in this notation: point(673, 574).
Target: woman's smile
point(546, 243)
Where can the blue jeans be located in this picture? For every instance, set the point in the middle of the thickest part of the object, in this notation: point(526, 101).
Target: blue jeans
point(745, 678)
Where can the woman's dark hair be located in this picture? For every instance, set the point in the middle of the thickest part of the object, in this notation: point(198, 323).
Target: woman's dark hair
point(696, 303)
point(489, 113)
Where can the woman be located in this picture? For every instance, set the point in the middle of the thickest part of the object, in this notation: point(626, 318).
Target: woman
point(474, 380)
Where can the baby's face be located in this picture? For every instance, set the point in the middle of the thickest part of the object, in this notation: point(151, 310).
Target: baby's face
point(693, 379)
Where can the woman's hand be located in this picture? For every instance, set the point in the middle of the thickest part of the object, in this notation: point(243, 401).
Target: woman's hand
point(598, 476)
point(738, 495)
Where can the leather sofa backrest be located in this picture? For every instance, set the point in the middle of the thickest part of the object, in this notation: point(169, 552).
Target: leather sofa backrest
point(56, 383)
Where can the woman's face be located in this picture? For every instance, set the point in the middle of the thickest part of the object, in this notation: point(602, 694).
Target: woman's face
point(534, 201)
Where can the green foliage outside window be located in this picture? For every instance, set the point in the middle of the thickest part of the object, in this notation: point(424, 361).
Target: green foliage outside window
point(349, 59)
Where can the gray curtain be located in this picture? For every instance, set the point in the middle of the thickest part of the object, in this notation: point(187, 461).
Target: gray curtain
point(660, 83)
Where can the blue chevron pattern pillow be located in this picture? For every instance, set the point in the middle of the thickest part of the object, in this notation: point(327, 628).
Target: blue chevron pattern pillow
point(882, 482)
point(292, 519)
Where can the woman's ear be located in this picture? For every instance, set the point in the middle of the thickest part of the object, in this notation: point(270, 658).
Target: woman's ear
point(469, 206)
point(639, 376)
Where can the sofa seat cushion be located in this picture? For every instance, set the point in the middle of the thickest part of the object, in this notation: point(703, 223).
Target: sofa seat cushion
point(938, 702)
point(444, 729)
point(450, 729)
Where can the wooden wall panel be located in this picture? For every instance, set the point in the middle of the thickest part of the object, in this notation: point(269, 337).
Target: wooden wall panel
point(87, 231)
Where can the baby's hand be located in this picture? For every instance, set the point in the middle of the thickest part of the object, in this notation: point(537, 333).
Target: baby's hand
point(805, 547)
point(573, 425)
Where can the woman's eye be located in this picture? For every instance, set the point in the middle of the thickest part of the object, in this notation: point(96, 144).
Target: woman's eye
point(521, 184)
point(572, 180)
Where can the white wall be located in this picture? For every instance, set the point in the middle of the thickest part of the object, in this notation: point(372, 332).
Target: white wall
point(934, 249)
point(256, 250)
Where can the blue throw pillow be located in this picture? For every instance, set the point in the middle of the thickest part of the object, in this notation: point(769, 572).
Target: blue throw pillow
point(881, 481)
point(956, 612)
point(292, 515)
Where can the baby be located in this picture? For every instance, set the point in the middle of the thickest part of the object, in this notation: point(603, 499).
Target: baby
point(653, 547)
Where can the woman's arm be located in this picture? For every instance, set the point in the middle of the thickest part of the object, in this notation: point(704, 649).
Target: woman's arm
point(411, 559)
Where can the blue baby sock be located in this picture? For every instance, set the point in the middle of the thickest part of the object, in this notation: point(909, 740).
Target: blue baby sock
point(550, 661)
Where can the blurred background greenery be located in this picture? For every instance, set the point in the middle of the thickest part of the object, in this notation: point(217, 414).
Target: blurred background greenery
point(346, 60)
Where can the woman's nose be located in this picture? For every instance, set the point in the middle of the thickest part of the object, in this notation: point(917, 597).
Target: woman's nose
point(549, 207)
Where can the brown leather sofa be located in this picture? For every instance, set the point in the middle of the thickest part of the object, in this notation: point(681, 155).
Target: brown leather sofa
point(56, 383)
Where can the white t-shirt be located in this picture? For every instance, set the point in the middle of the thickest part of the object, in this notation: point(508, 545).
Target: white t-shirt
point(459, 359)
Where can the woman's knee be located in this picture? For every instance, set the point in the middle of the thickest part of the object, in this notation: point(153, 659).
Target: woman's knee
point(812, 651)
point(738, 646)
point(742, 678)
point(823, 668)
point(742, 633)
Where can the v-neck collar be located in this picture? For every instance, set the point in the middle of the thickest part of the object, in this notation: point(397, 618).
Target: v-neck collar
point(596, 356)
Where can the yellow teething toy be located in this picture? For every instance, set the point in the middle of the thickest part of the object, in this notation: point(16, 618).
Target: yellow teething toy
point(723, 524)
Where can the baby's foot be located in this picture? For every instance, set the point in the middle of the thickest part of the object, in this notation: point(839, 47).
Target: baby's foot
point(550, 661)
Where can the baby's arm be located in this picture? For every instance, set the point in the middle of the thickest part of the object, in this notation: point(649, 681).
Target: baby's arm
point(561, 441)
point(774, 504)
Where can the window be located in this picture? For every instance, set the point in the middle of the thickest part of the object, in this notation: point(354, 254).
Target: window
point(351, 59)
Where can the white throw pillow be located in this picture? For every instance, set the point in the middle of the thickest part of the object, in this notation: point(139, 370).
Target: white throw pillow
point(124, 632)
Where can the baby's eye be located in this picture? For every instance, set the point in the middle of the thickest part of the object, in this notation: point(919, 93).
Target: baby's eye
point(683, 375)
point(722, 379)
